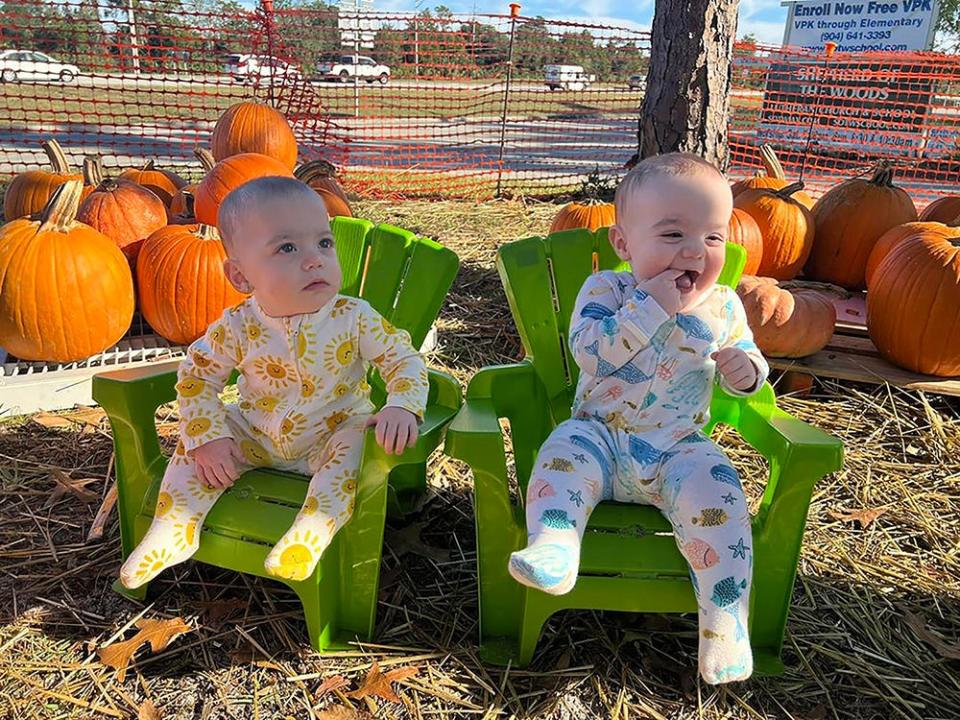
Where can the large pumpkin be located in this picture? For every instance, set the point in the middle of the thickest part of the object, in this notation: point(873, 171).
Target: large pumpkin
point(251, 127)
point(322, 177)
point(744, 231)
point(228, 175)
point(66, 292)
point(181, 281)
point(772, 177)
point(162, 183)
point(28, 192)
point(591, 214)
point(793, 322)
point(786, 226)
point(945, 210)
point(122, 210)
point(850, 218)
point(892, 237)
point(913, 301)
point(180, 210)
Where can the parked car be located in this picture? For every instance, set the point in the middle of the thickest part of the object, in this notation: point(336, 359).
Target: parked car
point(345, 67)
point(19, 65)
point(567, 77)
point(637, 82)
point(250, 68)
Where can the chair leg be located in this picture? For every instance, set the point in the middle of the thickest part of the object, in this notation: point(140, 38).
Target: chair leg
point(139, 593)
point(318, 624)
point(530, 631)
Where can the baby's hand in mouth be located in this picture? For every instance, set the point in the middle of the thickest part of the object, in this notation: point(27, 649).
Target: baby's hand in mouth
point(687, 280)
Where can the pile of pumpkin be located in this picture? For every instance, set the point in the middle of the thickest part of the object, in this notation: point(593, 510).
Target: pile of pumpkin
point(863, 233)
point(79, 252)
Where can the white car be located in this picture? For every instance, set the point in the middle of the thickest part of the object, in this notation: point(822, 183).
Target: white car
point(18, 65)
point(567, 77)
point(348, 66)
point(248, 68)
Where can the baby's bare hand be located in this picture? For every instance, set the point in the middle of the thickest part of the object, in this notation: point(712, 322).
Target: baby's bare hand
point(663, 288)
point(397, 429)
point(736, 367)
point(218, 462)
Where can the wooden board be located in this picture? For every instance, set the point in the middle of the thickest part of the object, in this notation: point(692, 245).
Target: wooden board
point(851, 355)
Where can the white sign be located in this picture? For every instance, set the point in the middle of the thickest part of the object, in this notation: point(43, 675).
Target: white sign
point(862, 25)
point(358, 26)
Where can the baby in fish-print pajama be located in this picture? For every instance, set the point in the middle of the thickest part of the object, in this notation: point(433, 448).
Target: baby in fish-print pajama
point(302, 352)
point(650, 345)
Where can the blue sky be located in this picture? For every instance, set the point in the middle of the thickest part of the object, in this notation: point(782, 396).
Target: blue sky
point(763, 18)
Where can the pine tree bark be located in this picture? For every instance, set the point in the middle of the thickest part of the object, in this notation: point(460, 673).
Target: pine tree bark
point(687, 99)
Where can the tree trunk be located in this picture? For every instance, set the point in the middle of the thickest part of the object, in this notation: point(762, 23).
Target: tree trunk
point(687, 99)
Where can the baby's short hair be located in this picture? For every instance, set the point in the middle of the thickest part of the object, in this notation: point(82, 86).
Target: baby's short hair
point(677, 164)
point(251, 194)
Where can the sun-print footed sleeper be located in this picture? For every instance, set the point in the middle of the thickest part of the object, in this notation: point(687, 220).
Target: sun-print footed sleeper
point(635, 435)
point(304, 404)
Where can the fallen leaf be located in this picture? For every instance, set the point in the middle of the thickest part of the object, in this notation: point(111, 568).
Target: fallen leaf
point(148, 711)
point(159, 633)
point(919, 626)
point(407, 540)
point(329, 684)
point(817, 713)
point(88, 418)
point(342, 712)
point(100, 521)
point(377, 683)
point(217, 612)
point(864, 516)
point(66, 485)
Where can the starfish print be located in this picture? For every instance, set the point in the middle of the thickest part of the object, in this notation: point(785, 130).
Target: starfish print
point(580, 458)
point(739, 550)
point(729, 499)
point(576, 497)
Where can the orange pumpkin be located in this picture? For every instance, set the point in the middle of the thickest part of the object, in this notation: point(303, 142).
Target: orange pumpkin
point(744, 231)
point(228, 175)
point(850, 218)
point(251, 127)
point(786, 226)
point(913, 300)
point(786, 321)
point(181, 281)
point(322, 177)
point(591, 214)
point(891, 238)
point(162, 183)
point(122, 210)
point(945, 210)
point(28, 192)
point(772, 176)
point(66, 292)
point(181, 205)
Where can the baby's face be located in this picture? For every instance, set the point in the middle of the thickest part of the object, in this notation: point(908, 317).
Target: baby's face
point(676, 223)
point(283, 252)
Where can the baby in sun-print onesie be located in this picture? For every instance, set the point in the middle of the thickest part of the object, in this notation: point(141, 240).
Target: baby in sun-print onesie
point(650, 344)
point(302, 351)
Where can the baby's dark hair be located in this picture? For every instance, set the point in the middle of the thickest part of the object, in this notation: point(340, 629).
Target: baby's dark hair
point(252, 193)
point(677, 164)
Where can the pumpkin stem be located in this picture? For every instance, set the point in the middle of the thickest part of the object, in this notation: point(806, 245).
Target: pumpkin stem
point(772, 163)
point(882, 174)
point(790, 190)
point(58, 159)
point(60, 212)
point(314, 170)
point(148, 165)
point(207, 232)
point(93, 170)
point(188, 201)
point(205, 157)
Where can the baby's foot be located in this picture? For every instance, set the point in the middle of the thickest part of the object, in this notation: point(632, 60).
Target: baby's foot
point(550, 567)
point(725, 654)
point(296, 554)
point(161, 547)
point(741, 669)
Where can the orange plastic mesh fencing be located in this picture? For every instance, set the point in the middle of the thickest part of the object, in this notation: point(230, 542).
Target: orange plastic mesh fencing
point(440, 105)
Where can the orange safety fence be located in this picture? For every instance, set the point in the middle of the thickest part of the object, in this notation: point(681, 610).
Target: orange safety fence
point(447, 105)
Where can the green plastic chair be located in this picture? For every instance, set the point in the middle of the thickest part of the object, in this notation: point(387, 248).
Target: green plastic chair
point(629, 561)
point(406, 279)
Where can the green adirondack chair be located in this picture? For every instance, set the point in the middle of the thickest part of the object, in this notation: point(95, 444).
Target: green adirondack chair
point(406, 279)
point(629, 559)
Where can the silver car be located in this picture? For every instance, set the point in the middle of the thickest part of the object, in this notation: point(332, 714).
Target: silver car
point(23, 65)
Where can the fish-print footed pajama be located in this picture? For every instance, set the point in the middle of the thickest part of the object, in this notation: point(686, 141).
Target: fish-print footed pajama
point(304, 402)
point(635, 435)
